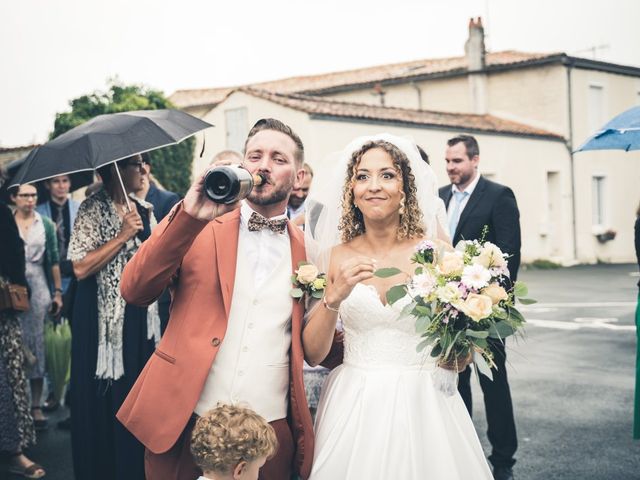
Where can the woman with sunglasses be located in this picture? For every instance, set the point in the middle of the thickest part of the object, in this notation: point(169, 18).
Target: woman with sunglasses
point(112, 340)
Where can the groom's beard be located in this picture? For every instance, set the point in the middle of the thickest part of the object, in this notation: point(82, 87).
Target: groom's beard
point(277, 195)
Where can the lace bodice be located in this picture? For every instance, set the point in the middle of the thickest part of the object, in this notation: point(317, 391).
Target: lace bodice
point(377, 335)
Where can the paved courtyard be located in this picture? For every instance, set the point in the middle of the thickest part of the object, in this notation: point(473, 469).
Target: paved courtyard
point(571, 379)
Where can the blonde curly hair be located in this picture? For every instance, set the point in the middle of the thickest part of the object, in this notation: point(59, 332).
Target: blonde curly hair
point(228, 435)
point(411, 221)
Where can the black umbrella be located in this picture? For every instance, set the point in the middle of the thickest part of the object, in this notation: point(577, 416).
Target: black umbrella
point(106, 139)
point(78, 179)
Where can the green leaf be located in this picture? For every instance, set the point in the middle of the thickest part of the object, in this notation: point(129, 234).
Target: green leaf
point(317, 294)
point(520, 289)
point(477, 334)
point(480, 343)
point(422, 345)
point(387, 272)
point(452, 344)
point(296, 292)
point(396, 293)
point(408, 309)
point(423, 310)
point(436, 350)
point(483, 366)
point(501, 330)
point(500, 313)
point(527, 301)
point(422, 323)
point(515, 315)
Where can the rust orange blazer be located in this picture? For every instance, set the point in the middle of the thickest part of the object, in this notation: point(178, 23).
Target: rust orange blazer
point(198, 260)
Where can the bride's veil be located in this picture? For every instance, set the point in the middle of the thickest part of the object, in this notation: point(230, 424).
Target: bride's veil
point(324, 204)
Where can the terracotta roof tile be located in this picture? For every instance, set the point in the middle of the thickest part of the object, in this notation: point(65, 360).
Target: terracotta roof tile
point(18, 149)
point(464, 121)
point(381, 73)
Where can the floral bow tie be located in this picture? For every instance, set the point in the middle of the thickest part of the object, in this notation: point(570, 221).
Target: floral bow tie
point(258, 222)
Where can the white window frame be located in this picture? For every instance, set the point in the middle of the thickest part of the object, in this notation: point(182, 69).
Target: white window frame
point(599, 200)
point(596, 118)
point(237, 128)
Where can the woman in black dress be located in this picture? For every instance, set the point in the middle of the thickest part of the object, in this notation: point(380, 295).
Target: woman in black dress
point(111, 340)
point(16, 424)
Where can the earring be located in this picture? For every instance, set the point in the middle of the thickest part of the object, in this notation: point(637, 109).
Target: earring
point(402, 202)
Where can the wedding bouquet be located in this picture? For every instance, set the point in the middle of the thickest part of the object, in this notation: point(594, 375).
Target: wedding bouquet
point(461, 300)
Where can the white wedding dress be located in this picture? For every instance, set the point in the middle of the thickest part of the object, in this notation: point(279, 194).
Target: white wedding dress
point(379, 415)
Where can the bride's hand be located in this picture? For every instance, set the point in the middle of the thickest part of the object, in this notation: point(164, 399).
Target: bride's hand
point(350, 272)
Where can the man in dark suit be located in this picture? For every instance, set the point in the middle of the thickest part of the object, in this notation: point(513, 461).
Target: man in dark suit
point(472, 202)
point(162, 201)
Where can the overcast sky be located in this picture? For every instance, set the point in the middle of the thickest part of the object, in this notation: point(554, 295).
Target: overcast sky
point(55, 50)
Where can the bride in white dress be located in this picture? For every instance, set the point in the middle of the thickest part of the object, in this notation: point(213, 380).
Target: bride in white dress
point(380, 416)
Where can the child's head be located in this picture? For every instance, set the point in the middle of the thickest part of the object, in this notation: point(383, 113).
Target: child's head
point(232, 441)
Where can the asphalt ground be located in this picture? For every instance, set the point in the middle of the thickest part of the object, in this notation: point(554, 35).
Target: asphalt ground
point(572, 380)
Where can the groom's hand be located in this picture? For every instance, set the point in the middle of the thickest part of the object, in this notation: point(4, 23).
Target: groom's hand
point(350, 272)
point(198, 205)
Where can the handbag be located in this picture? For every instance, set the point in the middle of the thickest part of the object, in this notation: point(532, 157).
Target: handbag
point(14, 297)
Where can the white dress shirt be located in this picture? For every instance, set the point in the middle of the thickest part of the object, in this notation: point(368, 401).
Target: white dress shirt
point(263, 248)
point(463, 203)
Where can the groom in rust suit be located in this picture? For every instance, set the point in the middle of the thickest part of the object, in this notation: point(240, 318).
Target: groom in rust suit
point(234, 333)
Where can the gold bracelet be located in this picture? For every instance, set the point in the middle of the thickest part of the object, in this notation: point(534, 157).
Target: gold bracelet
point(329, 307)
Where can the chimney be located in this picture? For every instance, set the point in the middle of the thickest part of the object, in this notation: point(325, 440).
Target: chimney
point(475, 55)
point(474, 46)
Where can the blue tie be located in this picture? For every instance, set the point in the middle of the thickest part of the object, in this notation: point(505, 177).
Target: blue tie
point(454, 218)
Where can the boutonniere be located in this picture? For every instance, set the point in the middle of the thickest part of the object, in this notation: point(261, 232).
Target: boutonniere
point(308, 279)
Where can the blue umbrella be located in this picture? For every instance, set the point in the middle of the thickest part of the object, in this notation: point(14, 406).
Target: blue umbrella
point(621, 133)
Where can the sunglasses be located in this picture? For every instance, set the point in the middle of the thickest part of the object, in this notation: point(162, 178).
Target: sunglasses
point(138, 165)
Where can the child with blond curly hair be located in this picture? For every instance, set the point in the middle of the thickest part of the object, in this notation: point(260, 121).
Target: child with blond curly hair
point(232, 442)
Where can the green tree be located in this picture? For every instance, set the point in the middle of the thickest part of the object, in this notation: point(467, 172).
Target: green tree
point(171, 165)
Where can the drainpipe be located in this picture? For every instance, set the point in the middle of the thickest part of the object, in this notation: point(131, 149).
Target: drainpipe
point(569, 144)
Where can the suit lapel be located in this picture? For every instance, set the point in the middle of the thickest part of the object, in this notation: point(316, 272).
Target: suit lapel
point(474, 200)
point(447, 197)
point(298, 254)
point(227, 232)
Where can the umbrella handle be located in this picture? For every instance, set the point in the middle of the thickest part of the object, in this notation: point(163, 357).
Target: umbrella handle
point(124, 191)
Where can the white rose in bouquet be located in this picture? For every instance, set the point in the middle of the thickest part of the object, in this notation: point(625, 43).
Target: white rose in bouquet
point(449, 293)
point(307, 273)
point(490, 256)
point(495, 292)
point(451, 263)
point(477, 306)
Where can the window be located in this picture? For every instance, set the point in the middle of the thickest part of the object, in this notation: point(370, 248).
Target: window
point(237, 128)
point(598, 184)
point(596, 106)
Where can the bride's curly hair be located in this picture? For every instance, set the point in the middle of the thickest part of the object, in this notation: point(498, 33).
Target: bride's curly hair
point(352, 222)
